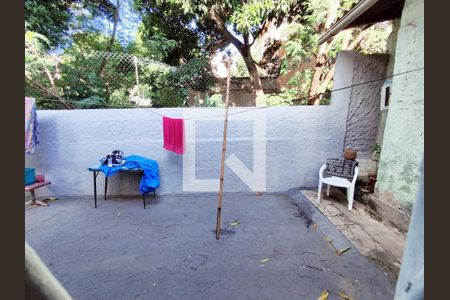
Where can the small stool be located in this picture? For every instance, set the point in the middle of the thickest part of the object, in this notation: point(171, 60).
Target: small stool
point(30, 188)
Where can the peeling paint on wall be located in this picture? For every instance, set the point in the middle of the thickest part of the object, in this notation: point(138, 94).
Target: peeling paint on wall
point(403, 142)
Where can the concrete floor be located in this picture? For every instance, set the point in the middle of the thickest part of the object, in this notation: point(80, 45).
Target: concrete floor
point(373, 237)
point(169, 250)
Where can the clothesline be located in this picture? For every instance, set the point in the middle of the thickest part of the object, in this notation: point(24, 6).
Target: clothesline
point(153, 110)
point(297, 99)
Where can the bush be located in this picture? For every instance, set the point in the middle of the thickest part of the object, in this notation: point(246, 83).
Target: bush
point(325, 101)
point(169, 97)
point(91, 102)
point(195, 75)
point(215, 100)
point(141, 95)
point(119, 98)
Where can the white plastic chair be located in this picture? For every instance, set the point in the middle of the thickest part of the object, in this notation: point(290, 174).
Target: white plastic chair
point(338, 181)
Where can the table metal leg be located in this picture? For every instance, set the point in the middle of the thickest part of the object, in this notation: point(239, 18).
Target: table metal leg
point(95, 188)
point(143, 199)
point(106, 185)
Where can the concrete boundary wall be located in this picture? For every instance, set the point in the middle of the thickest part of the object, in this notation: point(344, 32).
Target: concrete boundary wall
point(297, 142)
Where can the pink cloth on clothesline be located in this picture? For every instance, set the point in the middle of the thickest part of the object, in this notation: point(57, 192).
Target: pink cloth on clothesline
point(173, 130)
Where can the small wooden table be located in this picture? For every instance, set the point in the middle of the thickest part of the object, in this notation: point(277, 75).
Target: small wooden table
point(30, 188)
point(96, 170)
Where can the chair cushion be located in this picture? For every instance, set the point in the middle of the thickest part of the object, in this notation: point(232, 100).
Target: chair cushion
point(340, 168)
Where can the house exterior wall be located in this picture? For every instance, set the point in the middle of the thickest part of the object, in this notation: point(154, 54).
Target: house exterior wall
point(391, 44)
point(364, 113)
point(403, 141)
point(240, 90)
point(298, 141)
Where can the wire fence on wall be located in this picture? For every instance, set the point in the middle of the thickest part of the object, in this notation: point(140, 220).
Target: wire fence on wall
point(100, 79)
point(120, 80)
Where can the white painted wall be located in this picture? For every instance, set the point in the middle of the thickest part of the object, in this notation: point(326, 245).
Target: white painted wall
point(299, 139)
point(364, 113)
point(363, 101)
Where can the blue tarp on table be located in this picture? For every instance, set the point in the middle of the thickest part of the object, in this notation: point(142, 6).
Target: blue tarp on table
point(150, 178)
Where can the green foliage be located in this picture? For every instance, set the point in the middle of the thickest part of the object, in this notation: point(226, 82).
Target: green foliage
point(52, 18)
point(178, 32)
point(283, 99)
point(35, 57)
point(90, 41)
point(91, 102)
point(325, 101)
point(376, 152)
point(196, 75)
point(119, 98)
point(375, 41)
point(168, 20)
point(141, 90)
point(158, 86)
point(248, 16)
point(213, 25)
point(215, 100)
point(157, 46)
point(301, 43)
point(301, 82)
point(49, 19)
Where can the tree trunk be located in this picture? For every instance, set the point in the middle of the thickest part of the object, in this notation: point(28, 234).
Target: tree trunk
point(332, 7)
point(112, 39)
point(256, 85)
point(328, 77)
point(244, 50)
point(312, 94)
point(317, 80)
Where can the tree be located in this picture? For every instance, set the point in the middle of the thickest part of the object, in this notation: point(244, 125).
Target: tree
point(113, 36)
point(171, 22)
point(226, 22)
point(51, 18)
point(48, 18)
point(302, 45)
point(157, 47)
point(38, 63)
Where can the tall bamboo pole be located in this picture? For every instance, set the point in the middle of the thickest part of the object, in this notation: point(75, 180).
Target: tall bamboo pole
point(224, 147)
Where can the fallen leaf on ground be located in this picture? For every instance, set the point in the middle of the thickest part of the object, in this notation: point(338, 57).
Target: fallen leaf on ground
point(323, 296)
point(343, 250)
point(343, 296)
point(234, 223)
point(328, 239)
point(261, 261)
